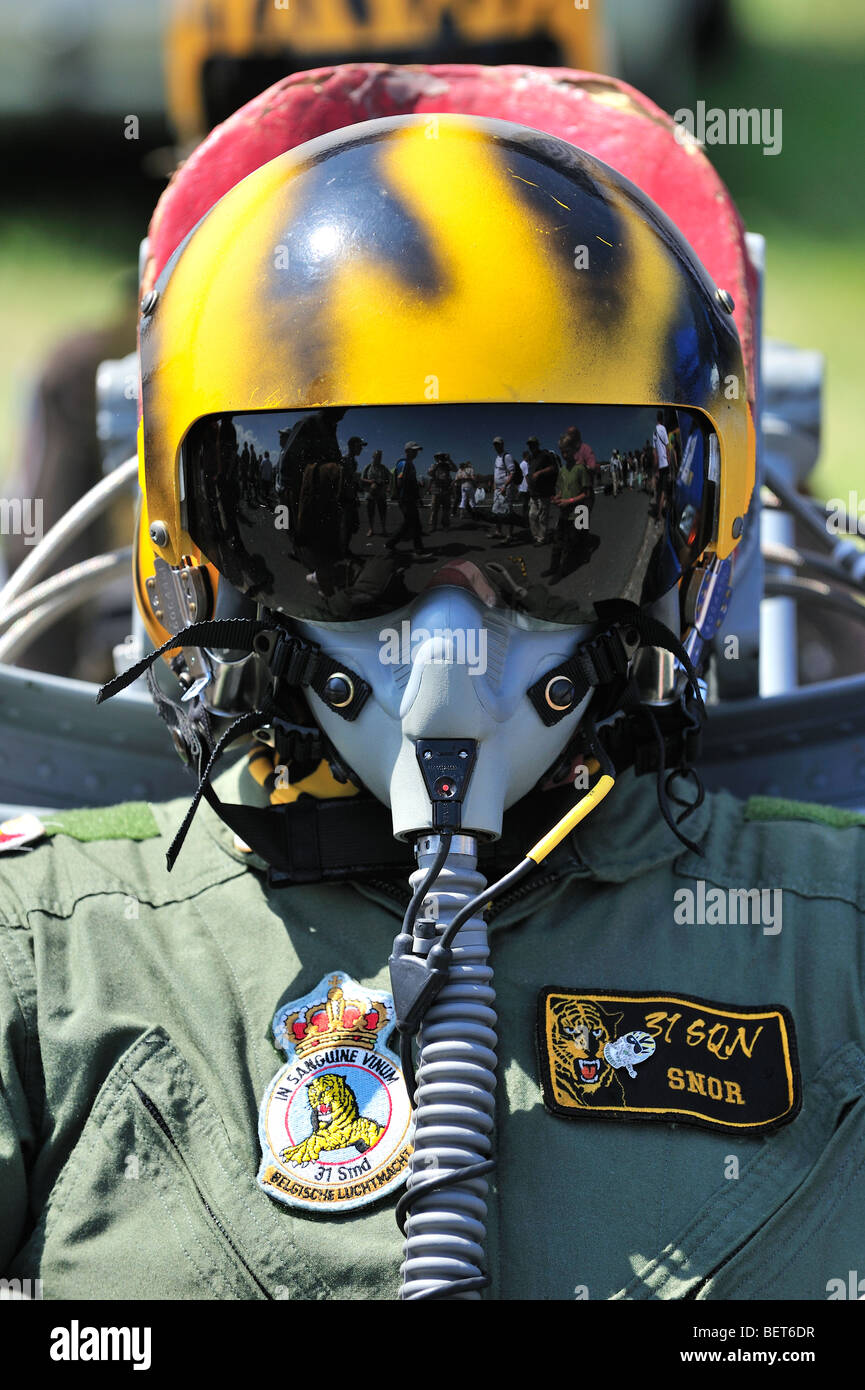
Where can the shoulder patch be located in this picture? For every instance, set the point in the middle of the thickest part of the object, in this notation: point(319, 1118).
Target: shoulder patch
point(767, 808)
point(674, 1057)
point(20, 831)
point(336, 1125)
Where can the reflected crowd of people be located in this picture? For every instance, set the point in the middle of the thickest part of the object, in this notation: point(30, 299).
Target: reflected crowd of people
point(357, 523)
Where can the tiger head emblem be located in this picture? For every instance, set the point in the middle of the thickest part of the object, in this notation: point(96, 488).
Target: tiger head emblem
point(331, 1100)
point(580, 1030)
point(336, 1121)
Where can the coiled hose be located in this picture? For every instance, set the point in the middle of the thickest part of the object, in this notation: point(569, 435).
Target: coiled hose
point(443, 1211)
point(449, 987)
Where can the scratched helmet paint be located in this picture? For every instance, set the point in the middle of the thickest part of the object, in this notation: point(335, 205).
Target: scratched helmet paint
point(425, 278)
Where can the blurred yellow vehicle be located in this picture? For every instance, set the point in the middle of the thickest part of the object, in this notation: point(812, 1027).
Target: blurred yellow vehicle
point(221, 53)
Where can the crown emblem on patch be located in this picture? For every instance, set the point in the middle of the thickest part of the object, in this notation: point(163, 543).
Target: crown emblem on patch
point(335, 1021)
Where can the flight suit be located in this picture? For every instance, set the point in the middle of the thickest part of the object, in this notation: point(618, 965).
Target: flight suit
point(136, 1009)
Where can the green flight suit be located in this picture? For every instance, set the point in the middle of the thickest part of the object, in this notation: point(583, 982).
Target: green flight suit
point(136, 1009)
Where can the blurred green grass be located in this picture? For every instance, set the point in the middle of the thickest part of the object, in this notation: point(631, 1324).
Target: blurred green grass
point(833, 24)
point(61, 262)
point(809, 200)
point(60, 272)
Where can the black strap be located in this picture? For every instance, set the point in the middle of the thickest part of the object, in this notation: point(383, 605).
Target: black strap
point(232, 633)
point(596, 662)
point(243, 725)
point(315, 840)
point(291, 660)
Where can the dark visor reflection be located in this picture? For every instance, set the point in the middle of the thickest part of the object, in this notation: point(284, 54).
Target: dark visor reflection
point(345, 514)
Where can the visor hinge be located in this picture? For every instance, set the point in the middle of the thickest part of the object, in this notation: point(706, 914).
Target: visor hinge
point(180, 596)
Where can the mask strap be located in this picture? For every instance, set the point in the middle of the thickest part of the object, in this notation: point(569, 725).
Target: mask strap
point(234, 633)
point(289, 660)
point(245, 724)
point(653, 633)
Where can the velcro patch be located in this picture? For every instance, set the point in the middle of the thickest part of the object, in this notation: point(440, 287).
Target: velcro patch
point(129, 820)
point(776, 808)
point(673, 1057)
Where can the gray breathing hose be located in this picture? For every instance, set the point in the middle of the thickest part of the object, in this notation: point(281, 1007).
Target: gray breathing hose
point(70, 525)
point(39, 608)
point(446, 1225)
point(85, 578)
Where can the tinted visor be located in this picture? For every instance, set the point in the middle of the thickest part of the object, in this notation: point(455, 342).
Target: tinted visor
point(609, 502)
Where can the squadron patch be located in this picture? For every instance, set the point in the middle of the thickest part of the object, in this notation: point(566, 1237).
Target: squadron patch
point(624, 1056)
point(335, 1123)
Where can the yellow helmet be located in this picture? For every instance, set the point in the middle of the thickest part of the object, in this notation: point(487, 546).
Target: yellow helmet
point(436, 282)
point(434, 259)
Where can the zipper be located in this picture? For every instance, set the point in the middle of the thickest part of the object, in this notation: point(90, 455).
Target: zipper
point(160, 1119)
point(522, 890)
point(401, 896)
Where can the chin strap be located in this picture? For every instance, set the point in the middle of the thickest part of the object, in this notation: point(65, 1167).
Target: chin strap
point(287, 659)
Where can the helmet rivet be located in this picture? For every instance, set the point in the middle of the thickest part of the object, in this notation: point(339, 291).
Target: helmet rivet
point(148, 303)
point(339, 690)
point(559, 693)
point(726, 300)
point(159, 533)
point(738, 527)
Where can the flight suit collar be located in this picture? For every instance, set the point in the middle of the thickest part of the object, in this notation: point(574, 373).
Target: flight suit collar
point(235, 784)
point(627, 835)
